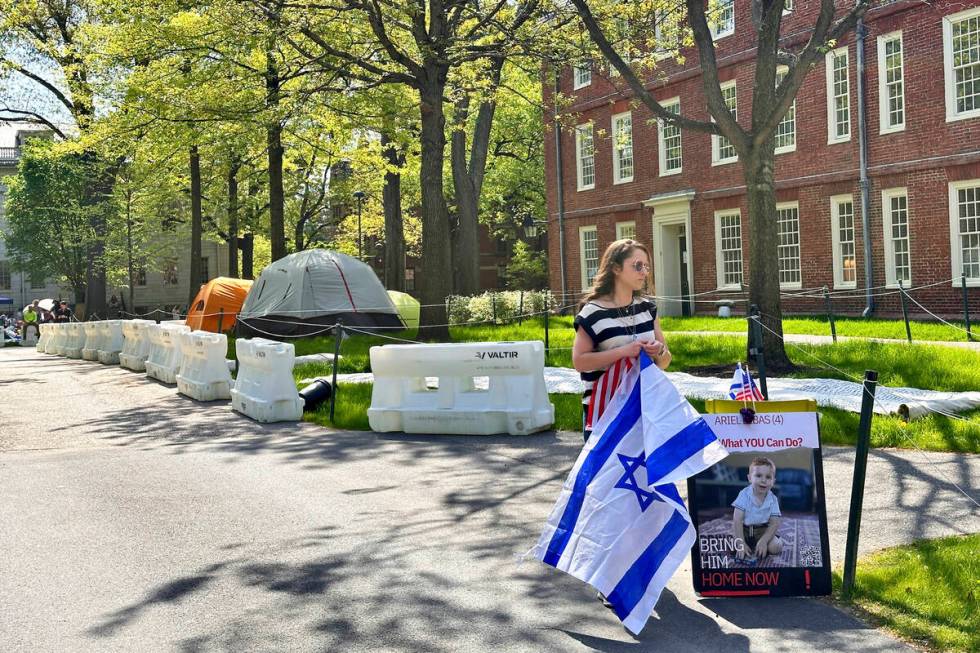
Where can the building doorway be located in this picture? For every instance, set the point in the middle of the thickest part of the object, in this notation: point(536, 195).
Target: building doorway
point(671, 252)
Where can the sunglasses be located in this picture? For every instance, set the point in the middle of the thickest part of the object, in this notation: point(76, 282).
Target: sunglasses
point(640, 266)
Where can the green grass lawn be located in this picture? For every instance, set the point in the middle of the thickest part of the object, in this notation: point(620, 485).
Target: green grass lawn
point(921, 366)
point(820, 326)
point(927, 592)
point(837, 427)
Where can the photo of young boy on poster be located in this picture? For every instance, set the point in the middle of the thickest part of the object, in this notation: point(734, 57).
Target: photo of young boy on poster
point(760, 513)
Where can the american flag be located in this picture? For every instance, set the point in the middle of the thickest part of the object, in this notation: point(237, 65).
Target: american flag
point(743, 388)
point(604, 389)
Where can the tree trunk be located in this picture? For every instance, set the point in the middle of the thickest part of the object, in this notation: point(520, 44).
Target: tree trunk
point(248, 255)
point(465, 238)
point(763, 244)
point(394, 263)
point(233, 218)
point(196, 221)
point(437, 274)
point(299, 241)
point(468, 174)
point(277, 220)
point(129, 246)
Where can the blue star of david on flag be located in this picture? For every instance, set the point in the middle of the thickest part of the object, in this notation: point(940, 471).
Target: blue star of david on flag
point(629, 482)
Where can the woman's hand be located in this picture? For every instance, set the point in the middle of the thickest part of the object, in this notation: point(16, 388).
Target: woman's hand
point(632, 350)
point(654, 348)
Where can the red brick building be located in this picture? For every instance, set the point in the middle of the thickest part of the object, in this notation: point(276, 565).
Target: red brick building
point(683, 192)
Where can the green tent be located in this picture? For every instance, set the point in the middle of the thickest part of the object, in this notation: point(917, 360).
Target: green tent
point(408, 308)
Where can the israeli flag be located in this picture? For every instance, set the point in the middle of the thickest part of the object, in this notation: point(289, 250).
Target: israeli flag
point(619, 524)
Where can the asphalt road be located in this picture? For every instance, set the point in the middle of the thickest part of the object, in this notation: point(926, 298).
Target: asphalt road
point(132, 519)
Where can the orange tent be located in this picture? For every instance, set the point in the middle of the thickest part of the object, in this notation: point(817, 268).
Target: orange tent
point(221, 298)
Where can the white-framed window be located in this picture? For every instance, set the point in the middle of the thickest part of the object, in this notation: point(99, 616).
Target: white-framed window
point(625, 42)
point(788, 249)
point(409, 279)
point(842, 237)
point(895, 221)
point(838, 96)
point(724, 22)
point(669, 141)
point(728, 249)
point(625, 230)
point(891, 83)
point(961, 59)
point(661, 51)
point(170, 273)
point(4, 274)
point(622, 130)
point(588, 239)
point(585, 156)
point(788, 6)
point(786, 130)
point(139, 274)
point(964, 230)
point(582, 74)
point(722, 150)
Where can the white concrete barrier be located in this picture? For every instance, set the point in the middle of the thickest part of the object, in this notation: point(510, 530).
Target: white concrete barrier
point(515, 401)
point(164, 358)
point(75, 341)
point(112, 342)
point(42, 342)
point(57, 342)
point(136, 346)
point(264, 388)
point(93, 341)
point(203, 372)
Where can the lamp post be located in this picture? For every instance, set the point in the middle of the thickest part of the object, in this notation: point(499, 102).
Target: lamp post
point(359, 196)
point(380, 246)
point(531, 226)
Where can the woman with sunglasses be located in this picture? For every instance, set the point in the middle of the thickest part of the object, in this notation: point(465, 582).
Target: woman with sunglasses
point(614, 323)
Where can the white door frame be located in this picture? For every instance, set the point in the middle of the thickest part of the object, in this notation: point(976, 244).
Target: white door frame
point(670, 209)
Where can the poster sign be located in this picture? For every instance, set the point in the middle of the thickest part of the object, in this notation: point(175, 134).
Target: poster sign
point(760, 513)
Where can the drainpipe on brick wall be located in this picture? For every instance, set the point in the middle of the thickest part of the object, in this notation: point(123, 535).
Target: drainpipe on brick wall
point(560, 181)
point(864, 183)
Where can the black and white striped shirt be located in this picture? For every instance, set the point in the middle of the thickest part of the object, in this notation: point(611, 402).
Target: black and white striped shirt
point(613, 327)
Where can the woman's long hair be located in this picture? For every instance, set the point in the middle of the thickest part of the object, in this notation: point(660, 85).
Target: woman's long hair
point(604, 281)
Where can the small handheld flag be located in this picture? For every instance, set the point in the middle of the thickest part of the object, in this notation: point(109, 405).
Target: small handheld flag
point(743, 387)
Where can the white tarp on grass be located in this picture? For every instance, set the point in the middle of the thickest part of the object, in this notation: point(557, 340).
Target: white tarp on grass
point(845, 395)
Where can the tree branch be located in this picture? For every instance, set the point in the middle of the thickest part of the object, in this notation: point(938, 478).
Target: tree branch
point(28, 117)
point(54, 90)
point(709, 76)
point(826, 30)
point(639, 90)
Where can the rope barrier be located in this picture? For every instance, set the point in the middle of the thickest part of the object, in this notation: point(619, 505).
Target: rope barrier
point(887, 390)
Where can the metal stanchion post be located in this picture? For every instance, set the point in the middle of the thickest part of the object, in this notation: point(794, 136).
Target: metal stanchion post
point(966, 308)
point(857, 487)
point(757, 350)
point(830, 313)
point(905, 311)
point(520, 310)
point(221, 317)
point(547, 323)
point(338, 335)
